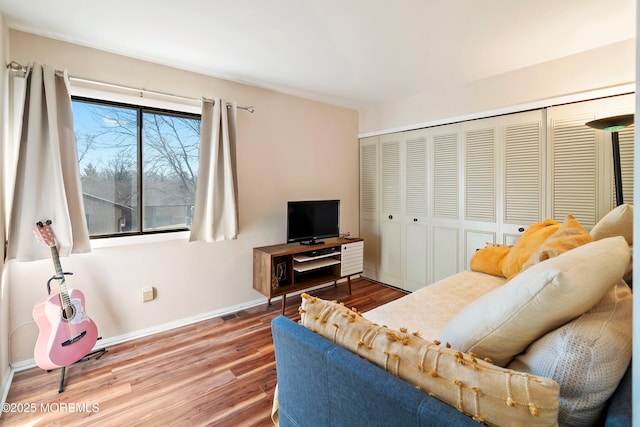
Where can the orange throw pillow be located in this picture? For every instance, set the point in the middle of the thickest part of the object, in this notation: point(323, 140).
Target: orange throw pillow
point(569, 236)
point(490, 259)
point(526, 245)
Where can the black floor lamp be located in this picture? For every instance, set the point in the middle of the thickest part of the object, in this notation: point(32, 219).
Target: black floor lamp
point(614, 124)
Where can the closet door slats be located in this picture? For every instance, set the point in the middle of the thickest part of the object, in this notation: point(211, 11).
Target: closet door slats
point(523, 176)
point(445, 176)
point(480, 176)
point(574, 170)
point(416, 177)
point(390, 177)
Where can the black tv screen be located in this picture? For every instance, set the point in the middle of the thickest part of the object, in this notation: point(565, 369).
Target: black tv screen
point(310, 220)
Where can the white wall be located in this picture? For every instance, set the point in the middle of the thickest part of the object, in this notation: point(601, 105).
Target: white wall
point(290, 148)
point(568, 77)
point(4, 292)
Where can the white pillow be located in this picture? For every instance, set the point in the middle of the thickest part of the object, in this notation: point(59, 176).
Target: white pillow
point(587, 357)
point(503, 322)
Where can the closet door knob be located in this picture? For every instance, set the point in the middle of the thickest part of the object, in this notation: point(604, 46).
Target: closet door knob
point(415, 219)
point(521, 229)
point(390, 216)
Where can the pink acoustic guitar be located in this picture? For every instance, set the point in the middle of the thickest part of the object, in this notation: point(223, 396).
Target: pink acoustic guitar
point(67, 334)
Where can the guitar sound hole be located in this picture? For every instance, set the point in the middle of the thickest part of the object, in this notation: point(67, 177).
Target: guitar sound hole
point(68, 313)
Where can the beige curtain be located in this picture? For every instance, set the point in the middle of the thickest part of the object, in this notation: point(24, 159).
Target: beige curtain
point(13, 102)
point(47, 179)
point(215, 215)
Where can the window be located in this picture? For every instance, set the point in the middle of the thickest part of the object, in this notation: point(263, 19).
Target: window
point(138, 167)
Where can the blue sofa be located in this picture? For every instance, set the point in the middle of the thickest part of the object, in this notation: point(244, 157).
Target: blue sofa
point(323, 384)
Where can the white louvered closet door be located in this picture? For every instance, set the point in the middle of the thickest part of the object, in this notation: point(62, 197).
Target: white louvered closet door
point(445, 221)
point(390, 210)
point(545, 163)
point(415, 221)
point(369, 206)
point(524, 168)
point(479, 225)
point(581, 166)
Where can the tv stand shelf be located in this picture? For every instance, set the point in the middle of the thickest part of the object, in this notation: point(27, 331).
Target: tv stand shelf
point(307, 257)
point(282, 269)
point(313, 264)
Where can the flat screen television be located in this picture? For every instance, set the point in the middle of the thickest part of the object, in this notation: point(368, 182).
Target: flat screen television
point(310, 220)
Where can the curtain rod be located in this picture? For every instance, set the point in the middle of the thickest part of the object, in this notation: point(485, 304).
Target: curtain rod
point(18, 68)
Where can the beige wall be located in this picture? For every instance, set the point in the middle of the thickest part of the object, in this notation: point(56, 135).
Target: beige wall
point(4, 294)
point(572, 76)
point(290, 148)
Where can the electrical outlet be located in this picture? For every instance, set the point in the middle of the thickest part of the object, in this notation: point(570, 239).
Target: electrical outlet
point(148, 294)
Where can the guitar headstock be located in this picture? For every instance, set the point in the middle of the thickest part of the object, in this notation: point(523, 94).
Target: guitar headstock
point(44, 232)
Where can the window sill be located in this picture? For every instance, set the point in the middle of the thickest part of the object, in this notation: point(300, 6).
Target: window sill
point(110, 242)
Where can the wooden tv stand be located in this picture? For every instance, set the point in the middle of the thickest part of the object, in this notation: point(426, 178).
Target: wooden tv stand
point(282, 269)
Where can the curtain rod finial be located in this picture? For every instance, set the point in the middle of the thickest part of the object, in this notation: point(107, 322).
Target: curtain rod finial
point(16, 67)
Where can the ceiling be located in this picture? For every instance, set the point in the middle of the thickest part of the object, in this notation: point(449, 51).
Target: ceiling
point(355, 53)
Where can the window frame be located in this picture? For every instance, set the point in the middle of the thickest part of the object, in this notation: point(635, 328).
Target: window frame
point(140, 109)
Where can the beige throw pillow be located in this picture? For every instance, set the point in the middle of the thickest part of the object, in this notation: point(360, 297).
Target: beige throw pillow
point(587, 357)
point(618, 222)
point(488, 393)
point(503, 322)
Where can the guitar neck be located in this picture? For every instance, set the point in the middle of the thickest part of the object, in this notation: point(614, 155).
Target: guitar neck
point(64, 292)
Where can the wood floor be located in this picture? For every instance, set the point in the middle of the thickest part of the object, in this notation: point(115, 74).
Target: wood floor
point(219, 372)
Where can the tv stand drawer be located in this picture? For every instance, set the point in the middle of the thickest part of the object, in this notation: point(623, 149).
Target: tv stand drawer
point(351, 256)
